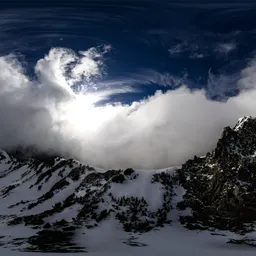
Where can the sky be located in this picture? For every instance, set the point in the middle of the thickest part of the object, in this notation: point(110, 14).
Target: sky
point(116, 84)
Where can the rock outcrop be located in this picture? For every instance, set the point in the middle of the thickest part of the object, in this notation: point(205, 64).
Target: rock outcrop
point(221, 186)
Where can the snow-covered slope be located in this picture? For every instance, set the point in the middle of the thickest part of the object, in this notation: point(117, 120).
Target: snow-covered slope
point(51, 204)
point(57, 195)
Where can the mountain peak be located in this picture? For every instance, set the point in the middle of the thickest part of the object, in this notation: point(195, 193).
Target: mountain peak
point(237, 142)
point(241, 122)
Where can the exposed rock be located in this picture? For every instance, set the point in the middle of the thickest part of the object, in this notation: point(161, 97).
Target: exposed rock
point(53, 241)
point(220, 187)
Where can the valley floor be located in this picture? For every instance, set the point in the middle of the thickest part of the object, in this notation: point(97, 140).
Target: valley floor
point(107, 240)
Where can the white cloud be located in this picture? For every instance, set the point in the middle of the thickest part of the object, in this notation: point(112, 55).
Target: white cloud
point(163, 130)
point(248, 77)
point(196, 55)
point(178, 48)
point(148, 76)
point(221, 85)
point(192, 50)
point(226, 48)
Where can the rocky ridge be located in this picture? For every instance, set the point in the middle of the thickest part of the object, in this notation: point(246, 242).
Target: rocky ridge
point(220, 187)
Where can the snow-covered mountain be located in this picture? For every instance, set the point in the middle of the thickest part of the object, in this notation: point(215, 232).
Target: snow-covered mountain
point(52, 204)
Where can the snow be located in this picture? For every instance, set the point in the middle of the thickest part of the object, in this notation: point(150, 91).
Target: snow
point(22, 191)
point(67, 214)
point(109, 238)
point(60, 196)
point(142, 187)
point(241, 122)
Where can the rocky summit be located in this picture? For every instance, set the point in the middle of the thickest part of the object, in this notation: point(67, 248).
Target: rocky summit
point(56, 199)
point(220, 187)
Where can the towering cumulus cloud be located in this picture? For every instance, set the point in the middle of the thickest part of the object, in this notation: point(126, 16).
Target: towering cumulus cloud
point(56, 112)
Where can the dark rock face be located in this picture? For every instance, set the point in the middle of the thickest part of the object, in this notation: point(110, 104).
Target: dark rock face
point(24, 153)
point(54, 241)
point(220, 187)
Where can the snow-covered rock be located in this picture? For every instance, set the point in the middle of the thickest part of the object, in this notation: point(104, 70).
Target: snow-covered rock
point(53, 204)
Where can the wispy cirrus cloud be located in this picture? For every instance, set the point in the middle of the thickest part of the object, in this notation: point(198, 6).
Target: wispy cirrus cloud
point(225, 48)
point(192, 50)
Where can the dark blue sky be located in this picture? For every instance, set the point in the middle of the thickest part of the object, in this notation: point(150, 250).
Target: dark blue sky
point(204, 44)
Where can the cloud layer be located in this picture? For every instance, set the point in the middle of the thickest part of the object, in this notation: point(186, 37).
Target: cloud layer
point(56, 112)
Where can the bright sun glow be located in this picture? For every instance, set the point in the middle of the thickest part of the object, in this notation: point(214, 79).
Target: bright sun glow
point(84, 117)
point(82, 113)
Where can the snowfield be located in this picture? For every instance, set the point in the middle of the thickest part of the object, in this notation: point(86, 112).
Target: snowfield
point(108, 240)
